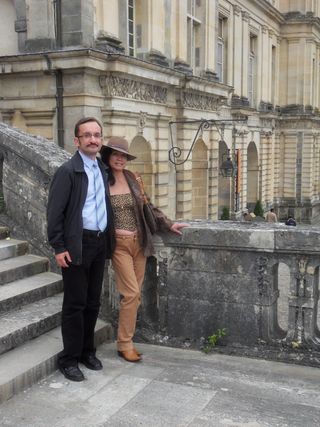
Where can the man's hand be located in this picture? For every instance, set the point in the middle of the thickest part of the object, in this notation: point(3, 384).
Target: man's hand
point(62, 259)
point(175, 228)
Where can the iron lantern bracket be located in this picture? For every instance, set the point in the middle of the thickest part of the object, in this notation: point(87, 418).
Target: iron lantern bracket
point(175, 152)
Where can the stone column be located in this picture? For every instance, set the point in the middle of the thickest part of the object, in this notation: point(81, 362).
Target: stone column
point(289, 166)
point(210, 36)
point(271, 77)
point(237, 48)
point(230, 50)
point(265, 75)
point(157, 32)
point(245, 54)
point(165, 190)
point(309, 74)
point(294, 87)
point(213, 176)
point(181, 37)
point(277, 166)
point(271, 166)
point(184, 174)
point(40, 25)
point(307, 166)
point(20, 24)
point(107, 26)
point(277, 73)
point(107, 16)
point(77, 23)
point(241, 145)
point(316, 178)
point(266, 165)
point(157, 25)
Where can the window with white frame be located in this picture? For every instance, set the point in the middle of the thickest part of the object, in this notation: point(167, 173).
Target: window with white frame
point(193, 33)
point(221, 62)
point(131, 29)
point(252, 74)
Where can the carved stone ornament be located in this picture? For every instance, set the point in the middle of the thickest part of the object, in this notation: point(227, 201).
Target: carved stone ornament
point(133, 89)
point(142, 122)
point(262, 276)
point(200, 102)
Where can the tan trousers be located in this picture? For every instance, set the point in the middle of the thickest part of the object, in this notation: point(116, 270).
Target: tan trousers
point(129, 265)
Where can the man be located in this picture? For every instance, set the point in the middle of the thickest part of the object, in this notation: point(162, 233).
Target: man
point(78, 222)
point(291, 221)
point(271, 216)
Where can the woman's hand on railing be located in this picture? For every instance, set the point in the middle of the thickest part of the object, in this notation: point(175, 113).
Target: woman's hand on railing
point(177, 226)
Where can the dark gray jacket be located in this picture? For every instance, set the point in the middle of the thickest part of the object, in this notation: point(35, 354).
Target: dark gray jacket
point(67, 195)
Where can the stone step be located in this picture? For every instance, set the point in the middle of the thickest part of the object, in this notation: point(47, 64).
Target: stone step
point(22, 266)
point(32, 320)
point(24, 366)
point(12, 248)
point(25, 291)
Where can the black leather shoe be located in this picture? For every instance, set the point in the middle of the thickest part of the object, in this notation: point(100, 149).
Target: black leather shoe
point(72, 373)
point(92, 362)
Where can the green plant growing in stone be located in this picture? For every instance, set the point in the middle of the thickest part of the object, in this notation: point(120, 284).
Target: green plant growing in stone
point(258, 210)
point(225, 214)
point(213, 339)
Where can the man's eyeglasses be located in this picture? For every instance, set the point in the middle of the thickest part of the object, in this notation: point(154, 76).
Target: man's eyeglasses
point(90, 135)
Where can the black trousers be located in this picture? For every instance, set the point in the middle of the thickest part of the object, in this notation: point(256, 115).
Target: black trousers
point(81, 302)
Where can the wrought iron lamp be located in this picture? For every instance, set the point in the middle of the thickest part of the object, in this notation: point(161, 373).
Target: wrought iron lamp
point(176, 152)
point(229, 167)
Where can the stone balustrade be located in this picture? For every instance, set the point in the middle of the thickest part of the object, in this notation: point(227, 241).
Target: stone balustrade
point(259, 281)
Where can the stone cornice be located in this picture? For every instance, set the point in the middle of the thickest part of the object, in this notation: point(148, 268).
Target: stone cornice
point(297, 18)
point(76, 58)
point(269, 10)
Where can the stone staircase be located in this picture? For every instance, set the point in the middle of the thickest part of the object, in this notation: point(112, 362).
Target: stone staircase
point(30, 312)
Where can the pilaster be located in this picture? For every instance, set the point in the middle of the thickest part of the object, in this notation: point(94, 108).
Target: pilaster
point(210, 37)
point(237, 58)
point(77, 23)
point(265, 76)
point(308, 163)
point(40, 25)
point(181, 31)
point(245, 54)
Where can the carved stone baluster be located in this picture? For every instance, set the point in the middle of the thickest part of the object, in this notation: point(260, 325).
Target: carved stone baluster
point(302, 305)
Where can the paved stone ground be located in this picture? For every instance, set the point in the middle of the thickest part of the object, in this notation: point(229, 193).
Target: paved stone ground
point(172, 388)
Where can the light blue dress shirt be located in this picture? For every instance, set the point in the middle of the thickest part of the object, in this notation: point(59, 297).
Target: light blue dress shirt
point(89, 216)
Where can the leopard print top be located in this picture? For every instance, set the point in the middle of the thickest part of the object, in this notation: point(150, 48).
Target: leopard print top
point(123, 209)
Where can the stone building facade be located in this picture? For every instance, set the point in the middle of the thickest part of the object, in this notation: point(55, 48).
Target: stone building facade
point(249, 67)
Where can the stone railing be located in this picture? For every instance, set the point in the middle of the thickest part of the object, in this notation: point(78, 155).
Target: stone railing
point(259, 281)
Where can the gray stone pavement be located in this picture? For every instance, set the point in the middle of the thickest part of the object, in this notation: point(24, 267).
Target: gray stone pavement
point(172, 387)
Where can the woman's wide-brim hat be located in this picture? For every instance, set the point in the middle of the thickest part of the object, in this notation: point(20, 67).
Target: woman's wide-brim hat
point(120, 144)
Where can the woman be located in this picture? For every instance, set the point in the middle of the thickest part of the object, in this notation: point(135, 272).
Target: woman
point(133, 240)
